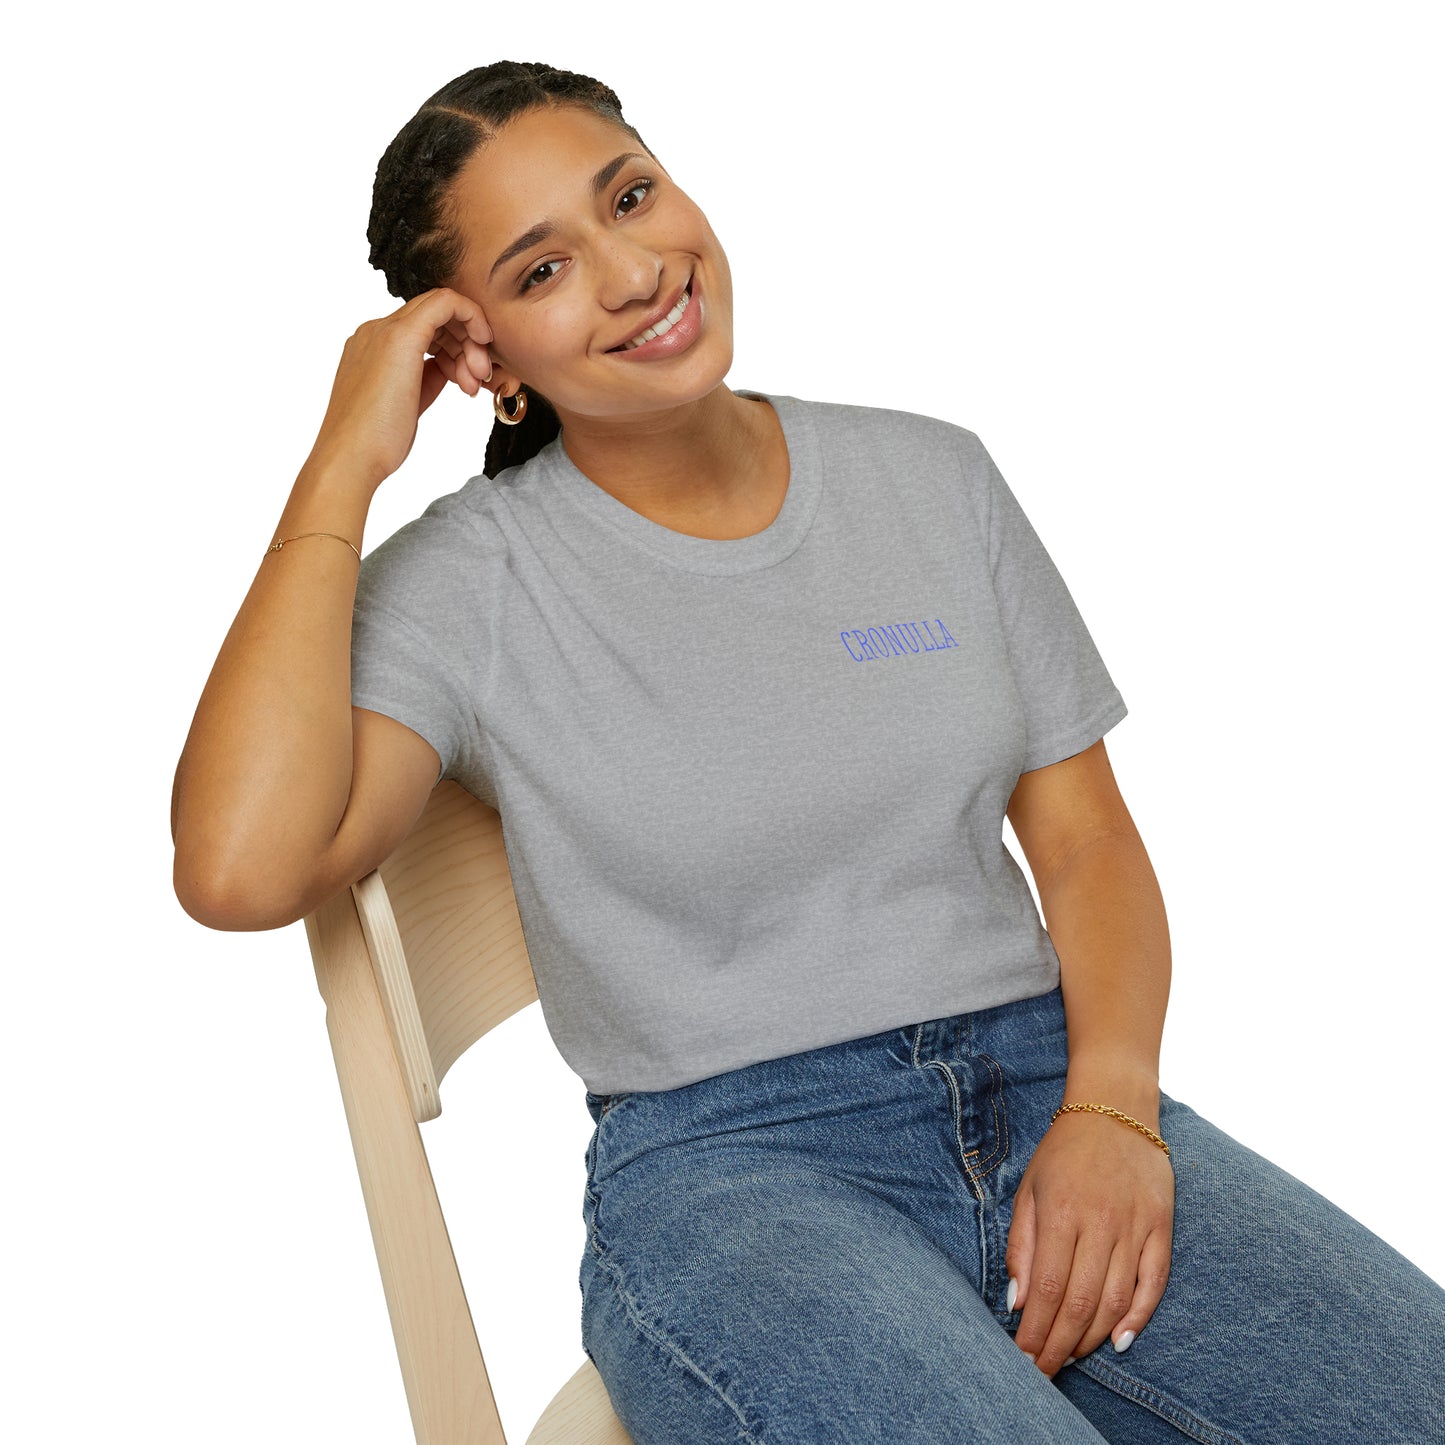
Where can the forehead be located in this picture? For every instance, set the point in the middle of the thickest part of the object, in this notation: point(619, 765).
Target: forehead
point(533, 169)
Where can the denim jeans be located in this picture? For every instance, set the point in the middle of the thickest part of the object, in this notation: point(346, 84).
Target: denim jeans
point(812, 1249)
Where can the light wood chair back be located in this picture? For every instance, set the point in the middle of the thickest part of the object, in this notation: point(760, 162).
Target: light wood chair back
point(416, 962)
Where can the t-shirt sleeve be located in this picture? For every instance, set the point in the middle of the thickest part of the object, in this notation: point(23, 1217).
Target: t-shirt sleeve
point(1069, 699)
point(396, 668)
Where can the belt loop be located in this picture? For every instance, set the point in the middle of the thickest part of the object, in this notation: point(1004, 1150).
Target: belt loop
point(918, 1043)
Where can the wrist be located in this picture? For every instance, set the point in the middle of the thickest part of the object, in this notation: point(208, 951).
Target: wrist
point(1103, 1110)
point(332, 469)
point(327, 497)
point(1131, 1089)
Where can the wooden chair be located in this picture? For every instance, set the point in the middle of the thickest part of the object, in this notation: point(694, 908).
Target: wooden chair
point(416, 962)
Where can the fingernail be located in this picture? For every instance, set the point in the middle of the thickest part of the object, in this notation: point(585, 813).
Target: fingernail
point(1071, 1359)
point(1030, 1358)
point(1013, 1294)
point(1124, 1341)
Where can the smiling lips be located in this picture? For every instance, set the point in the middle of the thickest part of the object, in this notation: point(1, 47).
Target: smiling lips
point(669, 334)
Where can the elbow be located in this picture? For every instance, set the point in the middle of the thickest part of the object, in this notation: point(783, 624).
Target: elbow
point(232, 898)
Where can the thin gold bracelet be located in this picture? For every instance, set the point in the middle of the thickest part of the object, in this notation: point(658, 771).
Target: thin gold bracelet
point(277, 546)
point(1144, 1129)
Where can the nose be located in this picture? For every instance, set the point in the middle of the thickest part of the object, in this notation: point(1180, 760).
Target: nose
point(627, 271)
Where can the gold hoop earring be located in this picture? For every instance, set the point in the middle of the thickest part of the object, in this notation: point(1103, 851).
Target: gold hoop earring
point(509, 418)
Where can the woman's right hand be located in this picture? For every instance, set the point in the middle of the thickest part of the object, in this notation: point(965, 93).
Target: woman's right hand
point(391, 370)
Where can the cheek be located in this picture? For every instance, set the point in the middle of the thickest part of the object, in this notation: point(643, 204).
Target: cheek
point(699, 221)
point(708, 242)
point(542, 344)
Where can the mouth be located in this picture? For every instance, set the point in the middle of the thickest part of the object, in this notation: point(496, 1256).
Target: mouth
point(660, 327)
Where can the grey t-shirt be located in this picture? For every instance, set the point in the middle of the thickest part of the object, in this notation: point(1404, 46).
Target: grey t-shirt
point(752, 791)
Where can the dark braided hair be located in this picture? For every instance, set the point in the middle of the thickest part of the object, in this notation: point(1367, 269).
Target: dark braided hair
point(412, 231)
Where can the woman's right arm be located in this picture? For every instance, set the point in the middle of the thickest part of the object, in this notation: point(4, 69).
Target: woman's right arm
point(284, 792)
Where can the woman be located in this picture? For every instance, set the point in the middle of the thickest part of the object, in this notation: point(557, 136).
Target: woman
point(753, 683)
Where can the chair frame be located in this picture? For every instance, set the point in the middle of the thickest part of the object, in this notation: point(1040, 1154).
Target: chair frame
point(417, 961)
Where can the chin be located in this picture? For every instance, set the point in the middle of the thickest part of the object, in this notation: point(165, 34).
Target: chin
point(651, 390)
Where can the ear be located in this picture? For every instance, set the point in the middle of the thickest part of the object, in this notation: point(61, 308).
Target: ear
point(504, 380)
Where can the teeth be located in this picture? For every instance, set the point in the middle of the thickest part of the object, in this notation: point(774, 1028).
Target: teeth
point(663, 326)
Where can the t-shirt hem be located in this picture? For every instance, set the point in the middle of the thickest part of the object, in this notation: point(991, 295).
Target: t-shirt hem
point(400, 712)
point(1077, 738)
point(1030, 982)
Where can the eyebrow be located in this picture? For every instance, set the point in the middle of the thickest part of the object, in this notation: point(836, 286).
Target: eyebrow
point(543, 229)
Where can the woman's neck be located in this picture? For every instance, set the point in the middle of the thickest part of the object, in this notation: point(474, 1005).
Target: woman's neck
point(717, 467)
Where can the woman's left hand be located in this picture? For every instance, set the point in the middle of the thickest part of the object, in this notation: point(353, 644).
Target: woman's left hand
point(1091, 1237)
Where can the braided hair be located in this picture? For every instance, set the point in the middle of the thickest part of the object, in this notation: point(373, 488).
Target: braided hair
point(413, 235)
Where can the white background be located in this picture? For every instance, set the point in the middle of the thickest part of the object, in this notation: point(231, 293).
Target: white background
point(1180, 270)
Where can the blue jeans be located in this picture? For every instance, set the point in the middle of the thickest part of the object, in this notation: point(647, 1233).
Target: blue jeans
point(812, 1249)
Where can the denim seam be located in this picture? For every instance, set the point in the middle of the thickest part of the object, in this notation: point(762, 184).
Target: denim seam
point(976, 1168)
point(991, 1276)
point(659, 1339)
point(956, 1109)
point(593, 1243)
point(1000, 1121)
point(1158, 1403)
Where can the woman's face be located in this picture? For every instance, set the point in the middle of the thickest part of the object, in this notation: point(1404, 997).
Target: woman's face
point(577, 242)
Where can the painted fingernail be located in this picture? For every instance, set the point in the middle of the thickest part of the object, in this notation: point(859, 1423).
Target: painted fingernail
point(1013, 1294)
point(1124, 1341)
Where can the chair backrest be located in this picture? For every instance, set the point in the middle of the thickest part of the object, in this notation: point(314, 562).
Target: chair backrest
point(441, 922)
point(416, 962)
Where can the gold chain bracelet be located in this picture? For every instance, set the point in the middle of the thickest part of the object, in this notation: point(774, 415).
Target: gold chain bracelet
point(1144, 1129)
point(278, 545)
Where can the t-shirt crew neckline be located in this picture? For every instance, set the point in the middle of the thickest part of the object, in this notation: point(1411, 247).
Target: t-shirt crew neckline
point(712, 556)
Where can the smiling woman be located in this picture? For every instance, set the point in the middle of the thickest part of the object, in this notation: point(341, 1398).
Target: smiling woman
point(525, 189)
point(604, 253)
point(876, 1154)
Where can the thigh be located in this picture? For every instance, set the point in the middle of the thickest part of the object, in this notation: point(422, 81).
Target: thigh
point(1285, 1320)
point(765, 1304)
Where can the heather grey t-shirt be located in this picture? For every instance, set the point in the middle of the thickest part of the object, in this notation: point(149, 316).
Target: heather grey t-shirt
point(752, 791)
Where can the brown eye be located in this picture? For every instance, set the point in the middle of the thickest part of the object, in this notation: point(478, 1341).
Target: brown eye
point(545, 272)
point(633, 197)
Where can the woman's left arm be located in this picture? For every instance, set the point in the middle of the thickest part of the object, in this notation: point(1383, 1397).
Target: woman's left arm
point(1089, 1245)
